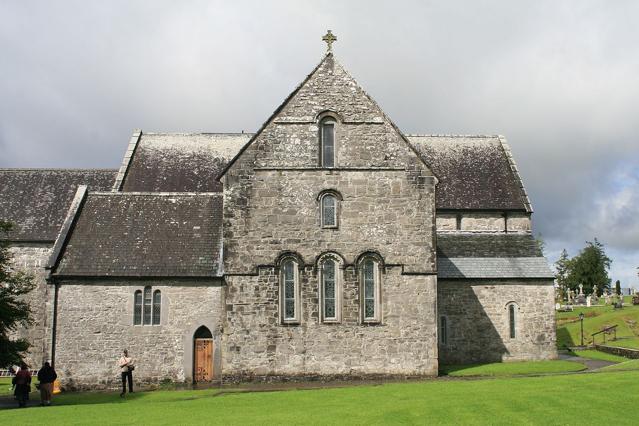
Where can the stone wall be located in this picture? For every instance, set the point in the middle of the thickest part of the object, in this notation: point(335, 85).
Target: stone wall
point(95, 322)
point(404, 343)
point(32, 258)
point(484, 221)
point(478, 323)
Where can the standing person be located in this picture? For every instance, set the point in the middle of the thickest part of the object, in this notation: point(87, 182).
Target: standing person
point(46, 377)
point(22, 382)
point(126, 368)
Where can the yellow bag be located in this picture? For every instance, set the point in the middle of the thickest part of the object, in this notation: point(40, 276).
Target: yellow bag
point(56, 386)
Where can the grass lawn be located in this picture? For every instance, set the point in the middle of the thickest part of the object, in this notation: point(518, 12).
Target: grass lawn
point(511, 368)
point(594, 354)
point(596, 318)
point(628, 365)
point(532, 400)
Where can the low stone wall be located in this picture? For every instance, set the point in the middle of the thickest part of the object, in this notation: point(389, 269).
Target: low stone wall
point(625, 352)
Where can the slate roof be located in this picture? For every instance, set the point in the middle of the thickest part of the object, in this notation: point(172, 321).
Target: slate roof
point(37, 200)
point(178, 162)
point(490, 256)
point(117, 234)
point(474, 172)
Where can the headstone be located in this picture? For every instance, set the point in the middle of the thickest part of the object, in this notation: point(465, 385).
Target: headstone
point(571, 296)
point(581, 289)
point(588, 300)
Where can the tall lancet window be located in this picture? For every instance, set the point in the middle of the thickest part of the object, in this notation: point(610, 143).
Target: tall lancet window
point(329, 211)
point(289, 290)
point(330, 281)
point(327, 136)
point(370, 290)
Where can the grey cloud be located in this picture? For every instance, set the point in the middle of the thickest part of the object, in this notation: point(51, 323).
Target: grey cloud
point(557, 78)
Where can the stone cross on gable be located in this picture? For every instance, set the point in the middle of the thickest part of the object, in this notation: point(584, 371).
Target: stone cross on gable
point(329, 38)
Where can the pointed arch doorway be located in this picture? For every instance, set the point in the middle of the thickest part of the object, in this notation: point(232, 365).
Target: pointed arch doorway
point(203, 355)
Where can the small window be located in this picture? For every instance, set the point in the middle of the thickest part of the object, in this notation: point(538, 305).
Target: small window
point(327, 136)
point(147, 305)
point(512, 320)
point(329, 211)
point(157, 303)
point(137, 308)
point(329, 278)
point(443, 330)
point(370, 289)
point(289, 291)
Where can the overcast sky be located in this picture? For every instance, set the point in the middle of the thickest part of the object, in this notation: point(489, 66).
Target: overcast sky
point(560, 79)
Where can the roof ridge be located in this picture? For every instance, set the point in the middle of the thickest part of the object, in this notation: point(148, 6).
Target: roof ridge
point(149, 193)
point(54, 169)
point(451, 135)
point(197, 133)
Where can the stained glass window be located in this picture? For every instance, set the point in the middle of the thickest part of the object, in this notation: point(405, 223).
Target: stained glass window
point(147, 305)
point(288, 276)
point(157, 303)
point(329, 210)
point(511, 318)
point(328, 143)
point(137, 308)
point(328, 289)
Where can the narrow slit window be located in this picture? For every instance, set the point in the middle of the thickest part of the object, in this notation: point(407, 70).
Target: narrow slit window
point(512, 321)
point(369, 289)
point(137, 308)
point(443, 330)
point(329, 211)
point(157, 306)
point(290, 302)
point(329, 280)
point(147, 305)
point(328, 143)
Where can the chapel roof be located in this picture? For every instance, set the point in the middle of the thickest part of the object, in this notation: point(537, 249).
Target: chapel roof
point(486, 256)
point(474, 172)
point(117, 234)
point(177, 162)
point(36, 200)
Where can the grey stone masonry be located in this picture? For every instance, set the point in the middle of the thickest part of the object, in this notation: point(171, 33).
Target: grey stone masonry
point(477, 319)
point(95, 321)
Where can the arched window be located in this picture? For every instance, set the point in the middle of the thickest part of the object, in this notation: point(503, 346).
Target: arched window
point(512, 320)
point(327, 142)
point(330, 280)
point(289, 291)
point(370, 290)
point(147, 306)
point(137, 308)
point(329, 211)
point(157, 303)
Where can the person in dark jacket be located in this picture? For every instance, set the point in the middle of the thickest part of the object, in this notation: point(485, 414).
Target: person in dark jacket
point(22, 383)
point(46, 377)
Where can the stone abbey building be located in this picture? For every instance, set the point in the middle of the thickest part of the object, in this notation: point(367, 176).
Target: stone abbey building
point(326, 244)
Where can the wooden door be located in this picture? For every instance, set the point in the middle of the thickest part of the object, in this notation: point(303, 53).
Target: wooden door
point(203, 360)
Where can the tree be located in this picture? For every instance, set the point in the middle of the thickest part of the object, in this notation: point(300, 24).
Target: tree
point(562, 267)
point(590, 268)
point(618, 287)
point(14, 311)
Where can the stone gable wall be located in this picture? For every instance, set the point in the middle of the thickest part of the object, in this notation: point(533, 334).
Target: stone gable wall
point(31, 258)
point(95, 322)
point(477, 318)
point(256, 344)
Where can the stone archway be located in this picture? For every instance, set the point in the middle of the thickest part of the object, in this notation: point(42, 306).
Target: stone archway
point(203, 350)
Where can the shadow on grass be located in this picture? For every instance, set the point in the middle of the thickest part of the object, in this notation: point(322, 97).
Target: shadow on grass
point(564, 339)
point(446, 370)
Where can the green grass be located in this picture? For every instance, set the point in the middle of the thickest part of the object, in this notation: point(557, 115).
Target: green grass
point(512, 368)
point(626, 319)
point(603, 356)
point(533, 400)
point(628, 365)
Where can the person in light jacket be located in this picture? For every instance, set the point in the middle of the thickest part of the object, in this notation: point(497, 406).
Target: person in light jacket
point(126, 368)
